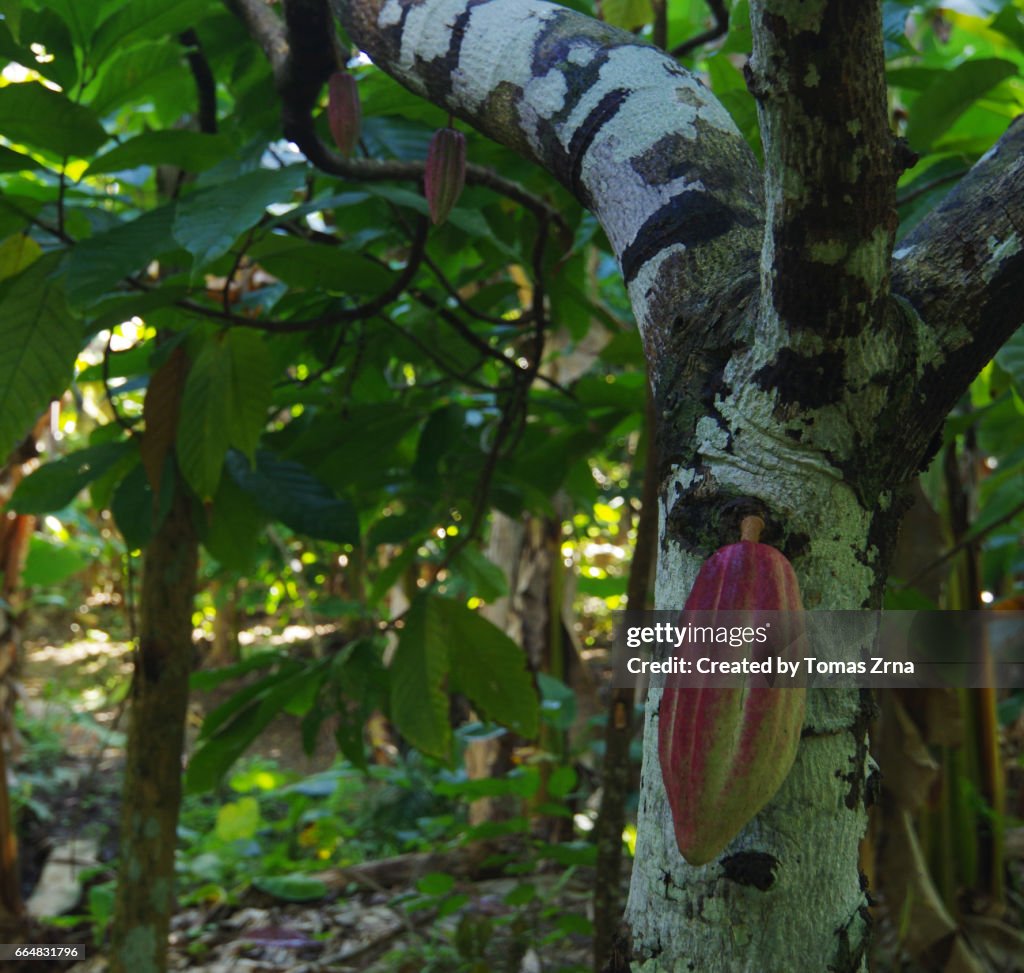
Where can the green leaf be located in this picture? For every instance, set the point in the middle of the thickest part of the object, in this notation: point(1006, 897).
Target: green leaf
point(950, 95)
point(236, 527)
point(483, 577)
point(561, 782)
point(54, 485)
point(238, 820)
point(33, 114)
point(39, 340)
point(17, 253)
point(132, 507)
point(225, 402)
point(558, 702)
point(287, 491)
point(489, 668)
point(1010, 23)
point(261, 703)
point(627, 14)
point(11, 10)
point(251, 389)
point(191, 151)
point(97, 264)
point(1011, 359)
point(50, 562)
point(315, 266)
point(202, 431)
point(209, 221)
point(291, 888)
point(443, 640)
point(134, 75)
point(419, 704)
point(11, 161)
point(144, 19)
point(436, 883)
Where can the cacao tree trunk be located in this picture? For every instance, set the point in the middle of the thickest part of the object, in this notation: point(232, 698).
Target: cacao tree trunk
point(800, 368)
point(153, 773)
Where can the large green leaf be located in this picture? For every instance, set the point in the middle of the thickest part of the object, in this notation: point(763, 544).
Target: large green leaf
point(263, 702)
point(11, 161)
point(235, 526)
point(310, 265)
point(489, 668)
point(419, 703)
point(251, 391)
point(97, 264)
point(33, 114)
point(50, 562)
point(133, 75)
point(203, 435)
point(132, 507)
point(144, 19)
point(442, 641)
point(209, 221)
point(39, 339)
point(950, 95)
point(191, 151)
point(287, 491)
point(54, 485)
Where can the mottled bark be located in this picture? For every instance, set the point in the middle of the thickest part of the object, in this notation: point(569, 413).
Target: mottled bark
point(783, 371)
point(152, 775)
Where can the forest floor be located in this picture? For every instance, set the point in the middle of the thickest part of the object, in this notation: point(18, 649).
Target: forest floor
point(395, 914)
point(369, 903)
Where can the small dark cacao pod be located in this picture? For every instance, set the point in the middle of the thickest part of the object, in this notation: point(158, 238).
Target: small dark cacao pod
point(445, 173)
point(344, 113)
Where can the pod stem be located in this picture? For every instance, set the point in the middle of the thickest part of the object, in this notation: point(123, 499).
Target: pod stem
point(750, 528)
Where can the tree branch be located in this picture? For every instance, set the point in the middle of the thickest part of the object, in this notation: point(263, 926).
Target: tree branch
point(961, 268)
point(818, 72)
point(633, 135)
point(302, 56)
point(206, 83)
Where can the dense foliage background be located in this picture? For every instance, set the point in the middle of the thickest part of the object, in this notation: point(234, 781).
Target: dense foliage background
point(420, 450)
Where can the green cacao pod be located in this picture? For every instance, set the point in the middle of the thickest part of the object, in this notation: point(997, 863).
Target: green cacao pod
point(344, 113)
point(445, 173)
point(724, 752)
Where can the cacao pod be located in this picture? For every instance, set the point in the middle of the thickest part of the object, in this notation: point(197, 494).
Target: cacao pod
point(445, 173)
point(344, 113)
point(724, 752)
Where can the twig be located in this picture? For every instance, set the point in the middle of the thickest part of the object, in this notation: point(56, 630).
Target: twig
point(972, 537)
point(206, 83)
point(929, 186)
point(721, 14)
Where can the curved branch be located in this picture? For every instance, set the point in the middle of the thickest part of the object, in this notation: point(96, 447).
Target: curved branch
point(633, 135)
point(302, 55)
point(961, 268)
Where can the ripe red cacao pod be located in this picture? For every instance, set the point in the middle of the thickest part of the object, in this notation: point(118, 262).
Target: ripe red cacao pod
point(445, 173)
point(344, 113)
point(724, 752)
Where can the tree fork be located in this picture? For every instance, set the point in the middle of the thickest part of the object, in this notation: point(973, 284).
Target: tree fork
point(783, 370)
